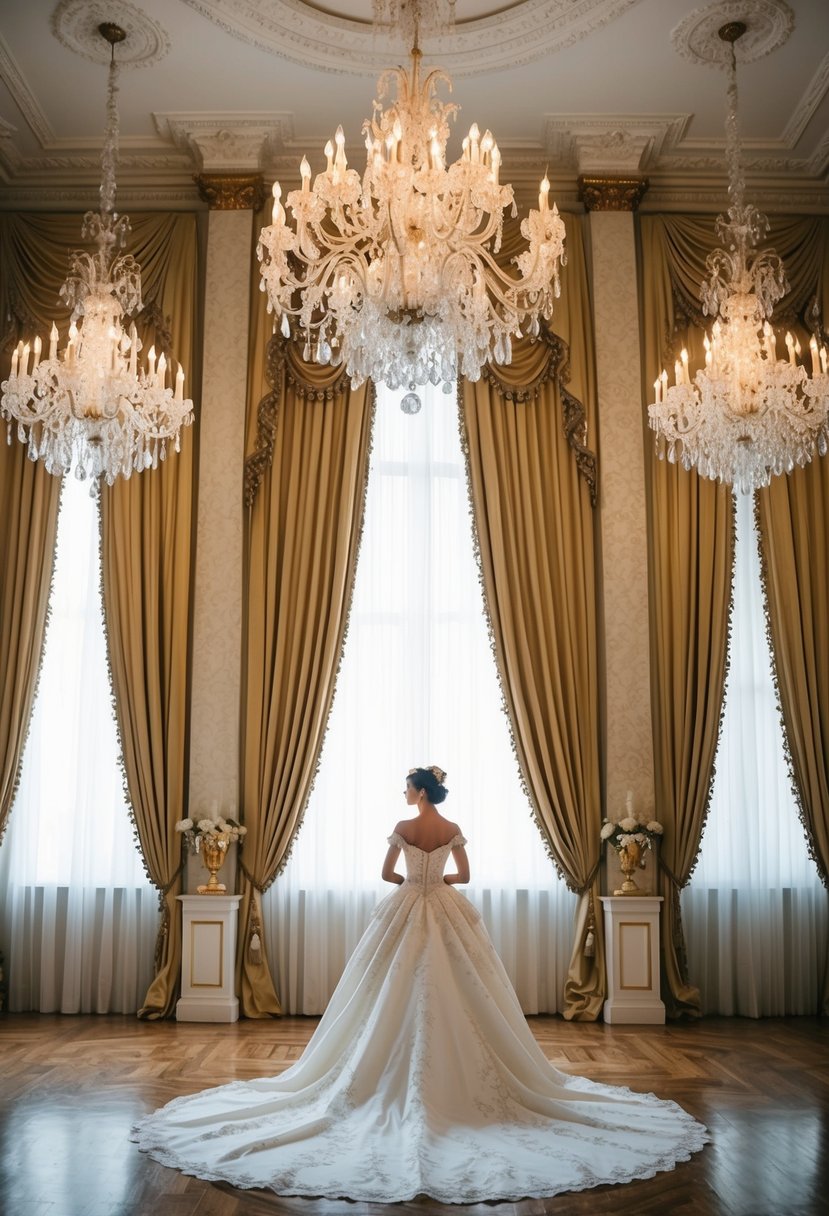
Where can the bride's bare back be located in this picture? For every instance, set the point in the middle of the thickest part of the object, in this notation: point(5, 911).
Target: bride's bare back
point(428, 830)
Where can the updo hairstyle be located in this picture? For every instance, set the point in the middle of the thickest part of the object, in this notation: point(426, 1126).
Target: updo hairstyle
point(425, 779)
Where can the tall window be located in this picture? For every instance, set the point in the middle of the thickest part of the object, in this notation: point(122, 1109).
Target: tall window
point(78, 913)
point(418, 685)
point(755, 911)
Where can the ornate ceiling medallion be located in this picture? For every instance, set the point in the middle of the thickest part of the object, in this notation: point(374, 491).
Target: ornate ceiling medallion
point(76, 25)
point(768, 25)
point(516, 32)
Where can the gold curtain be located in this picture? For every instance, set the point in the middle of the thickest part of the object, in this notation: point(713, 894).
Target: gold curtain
point(793, 517)
point(305, 478)
point(29, 498)
point(690, 549)
point(147, 537)
point(532, 476)
point(146, 543)
point(690, 556)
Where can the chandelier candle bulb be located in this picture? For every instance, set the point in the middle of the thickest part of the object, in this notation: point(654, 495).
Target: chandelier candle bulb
point(38, 347)
point(15, 361)
point(823, 360)
point(179, 384)
point(53, 341)
point(161, 373)
point(544, 194)
point(329, 156)
point(24, 360)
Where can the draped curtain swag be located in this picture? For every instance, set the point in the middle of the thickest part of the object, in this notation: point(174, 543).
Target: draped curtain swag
point(690, 549)
point(533, 485)
point(146, 546)
point(308, 441)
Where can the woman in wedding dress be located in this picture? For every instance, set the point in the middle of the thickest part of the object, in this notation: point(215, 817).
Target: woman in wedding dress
point(422, 1076)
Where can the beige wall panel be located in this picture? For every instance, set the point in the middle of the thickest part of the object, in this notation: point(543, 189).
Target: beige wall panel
point(629, 755)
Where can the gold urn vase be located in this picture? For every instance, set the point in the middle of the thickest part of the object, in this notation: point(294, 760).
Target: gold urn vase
point(629, 857)
point(213, 853)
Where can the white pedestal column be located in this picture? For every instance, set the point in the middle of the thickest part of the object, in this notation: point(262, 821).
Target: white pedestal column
point(631, 927)
point(208, 958)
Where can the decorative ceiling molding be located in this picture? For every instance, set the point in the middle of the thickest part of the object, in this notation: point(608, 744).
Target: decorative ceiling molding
point(224, 142)
point(768, 25)
point(23, 96)
point(611, 143)
point(816, 90)
point(520, 32)
point(54, 190)
point(75, 25)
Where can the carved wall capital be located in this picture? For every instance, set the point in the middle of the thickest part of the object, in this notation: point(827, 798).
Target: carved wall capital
point(231, 191)
point(612, 193)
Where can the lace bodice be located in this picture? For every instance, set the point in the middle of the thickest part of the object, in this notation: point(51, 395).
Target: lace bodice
point(425, 870)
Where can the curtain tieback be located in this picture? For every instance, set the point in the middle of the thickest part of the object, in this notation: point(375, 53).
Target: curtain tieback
point(591, 878)
point(164, 927)
point(258, 886)
point(255, 925)
point(677, 936)
point(589, 948)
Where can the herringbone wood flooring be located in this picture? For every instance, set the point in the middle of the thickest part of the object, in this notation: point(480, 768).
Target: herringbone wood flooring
point(72, 1086)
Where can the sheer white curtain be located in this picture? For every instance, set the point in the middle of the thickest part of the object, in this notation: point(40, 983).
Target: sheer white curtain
point(755, 911)
point(417, 686)
point(79, 917)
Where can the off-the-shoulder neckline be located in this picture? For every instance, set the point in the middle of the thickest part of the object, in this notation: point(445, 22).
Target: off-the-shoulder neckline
point(428, 852)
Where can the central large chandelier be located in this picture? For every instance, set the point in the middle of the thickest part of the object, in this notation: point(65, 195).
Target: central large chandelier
point(746, 416)
point(90, 408)
point(394, 273)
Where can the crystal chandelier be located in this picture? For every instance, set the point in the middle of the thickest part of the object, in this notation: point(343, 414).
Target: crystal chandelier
point(747, 416)
point(90, 407)
point(393, 273)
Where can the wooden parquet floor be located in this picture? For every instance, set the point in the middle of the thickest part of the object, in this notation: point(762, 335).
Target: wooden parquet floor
point(70, 1088)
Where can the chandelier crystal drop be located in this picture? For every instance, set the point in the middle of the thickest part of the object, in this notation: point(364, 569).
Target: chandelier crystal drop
point(394, 273)
point(747, 416)
point(90, 407)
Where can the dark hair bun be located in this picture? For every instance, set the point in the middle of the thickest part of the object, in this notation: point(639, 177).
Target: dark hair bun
point(424, 779)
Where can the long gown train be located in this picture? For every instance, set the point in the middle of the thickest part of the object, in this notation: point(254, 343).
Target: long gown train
point(422, 1077)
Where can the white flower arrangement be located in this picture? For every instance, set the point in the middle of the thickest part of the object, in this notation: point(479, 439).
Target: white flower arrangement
point(632, 828)
point(221, 831)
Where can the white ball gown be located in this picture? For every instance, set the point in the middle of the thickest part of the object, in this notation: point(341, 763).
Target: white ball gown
point(422, 1077)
